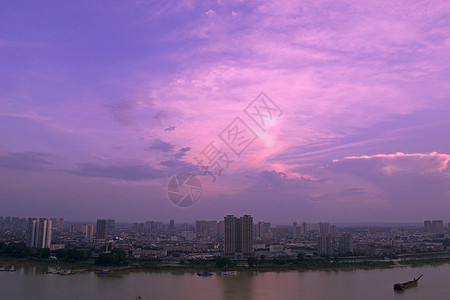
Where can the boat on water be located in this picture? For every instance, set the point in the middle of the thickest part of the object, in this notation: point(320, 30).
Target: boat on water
point(12, 269)
point(408, 284)
point(204, 274)
point(65, 272)
point(230, 273)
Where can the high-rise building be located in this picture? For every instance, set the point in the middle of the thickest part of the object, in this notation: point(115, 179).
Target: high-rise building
point(139, 227)
point(101, 229)
point(326, 244)
point(221, 228)
point(346, 244)
point(110, 226)
point(89, 231)
point(159, 226)
point(206, 228)
point(324, 228)
point(149, 225)
point(427, 226)
point(296, 231)
point(54, 223)
point(172, 224)
point(238, 236)
point(39, 233)
point(304, 228)
point(438, 226)
point(435, 226)
point(332, 229)
point(259, 230)
point(7, 222)
point(61, 224)
point(76, 228)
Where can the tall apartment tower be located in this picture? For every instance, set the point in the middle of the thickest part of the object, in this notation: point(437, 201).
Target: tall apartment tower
point(332, 229)
point(346, 244)
point(326, 244)
point(427, 226)
point(259, 230)
point(101, 229)
point(206, 228)
point(60, 224)
point(296, 231)
point(39, 233)
point(89, 231)
point(435, 226)
point(221, 228)
point(238, 236)
point(304, 228)
point(324, 228)
point(54, 223)
point(110, 226)
point(438, 226)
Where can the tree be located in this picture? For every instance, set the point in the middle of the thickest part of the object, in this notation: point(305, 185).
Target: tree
point(221, 262)
point(117, 257)
point(14, 249)
point(252, 261)
point(262, 259)
point(45, 253)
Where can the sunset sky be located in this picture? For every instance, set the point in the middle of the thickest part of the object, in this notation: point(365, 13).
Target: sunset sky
point(102, 102)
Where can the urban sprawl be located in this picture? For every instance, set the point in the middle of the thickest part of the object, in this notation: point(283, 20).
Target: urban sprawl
point(233, 238)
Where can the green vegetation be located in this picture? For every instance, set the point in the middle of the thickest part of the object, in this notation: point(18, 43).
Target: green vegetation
point(252, 261)
point(117, 257)
point(82, 259)
point(224, 262)
point(71, 255)
point(20, 250)
point(17, 250)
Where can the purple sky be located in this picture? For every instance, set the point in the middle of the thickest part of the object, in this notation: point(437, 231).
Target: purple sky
point(101, 102)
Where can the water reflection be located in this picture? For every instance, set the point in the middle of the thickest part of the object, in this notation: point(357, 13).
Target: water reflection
point(237, 287)
point(28, 282)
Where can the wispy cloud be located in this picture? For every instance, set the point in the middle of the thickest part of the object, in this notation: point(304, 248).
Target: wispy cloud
point(123, 111)
point(123, 172)
point(27, 161)
point(355, 80)
point(160, 145)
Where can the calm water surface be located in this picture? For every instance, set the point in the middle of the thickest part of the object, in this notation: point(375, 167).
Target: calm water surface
point(28, 283)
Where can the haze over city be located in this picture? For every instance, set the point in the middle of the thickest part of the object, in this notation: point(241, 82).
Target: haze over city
point(101, 105)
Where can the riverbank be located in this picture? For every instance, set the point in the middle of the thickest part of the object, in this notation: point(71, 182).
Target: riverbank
point(31, 283)
point(151, 265)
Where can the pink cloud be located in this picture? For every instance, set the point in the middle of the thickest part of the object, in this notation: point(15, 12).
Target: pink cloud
point(410, 162)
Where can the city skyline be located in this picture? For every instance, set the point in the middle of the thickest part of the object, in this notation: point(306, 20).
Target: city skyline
point(302, 226)
point(102, 104)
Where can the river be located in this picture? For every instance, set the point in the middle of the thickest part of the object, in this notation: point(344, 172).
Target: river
point(28, 283)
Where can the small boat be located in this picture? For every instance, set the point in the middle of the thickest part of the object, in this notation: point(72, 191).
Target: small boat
point(230, 273)
point(204, 273)
point(65, 272)
point(104, 272)
point(408, 284)
point(12, 269)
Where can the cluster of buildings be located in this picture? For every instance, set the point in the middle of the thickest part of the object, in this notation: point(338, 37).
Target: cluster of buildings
point(435, 226)
point(235, 237)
